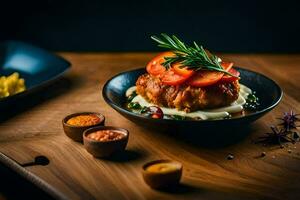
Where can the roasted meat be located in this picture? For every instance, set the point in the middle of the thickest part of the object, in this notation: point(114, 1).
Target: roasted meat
point(184, 97)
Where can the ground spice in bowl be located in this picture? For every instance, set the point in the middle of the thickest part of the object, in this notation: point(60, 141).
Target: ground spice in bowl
point(84, 120)
point(106, 135)
point(75, 124)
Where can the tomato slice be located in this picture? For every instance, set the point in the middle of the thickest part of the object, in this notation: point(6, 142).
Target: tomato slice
point(226, 65)
point(204, 78)
point(182, 70)
point(177, 75)
point(155, 67)
point(170, 77)
point(227, 78)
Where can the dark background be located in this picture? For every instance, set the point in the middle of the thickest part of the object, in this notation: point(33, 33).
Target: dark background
point(78, 25)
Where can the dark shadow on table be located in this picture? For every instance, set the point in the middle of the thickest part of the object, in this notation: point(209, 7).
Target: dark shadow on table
point(209, 137)
point(13, 186)
point(181, 188)
point(128, 155)
point(214, 138)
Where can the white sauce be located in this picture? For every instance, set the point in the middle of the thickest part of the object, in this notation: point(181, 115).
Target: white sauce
point(130, 91)
point(216, 113)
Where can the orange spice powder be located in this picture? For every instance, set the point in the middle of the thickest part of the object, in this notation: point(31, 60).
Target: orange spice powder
point(84, 120)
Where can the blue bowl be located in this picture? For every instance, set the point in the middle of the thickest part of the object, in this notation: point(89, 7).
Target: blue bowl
point(38, 67)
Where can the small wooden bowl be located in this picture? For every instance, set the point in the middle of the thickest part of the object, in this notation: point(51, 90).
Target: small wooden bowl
point(75, 132)
point(102, 149)
point(162, 179)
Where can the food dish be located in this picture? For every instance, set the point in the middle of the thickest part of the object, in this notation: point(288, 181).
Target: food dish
point(189, 83)
point(117, 92)
point(219, 98)
point(115, 88)
point(36, 66)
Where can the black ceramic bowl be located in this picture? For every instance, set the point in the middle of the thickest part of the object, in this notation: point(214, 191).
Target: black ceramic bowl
point(267, 90)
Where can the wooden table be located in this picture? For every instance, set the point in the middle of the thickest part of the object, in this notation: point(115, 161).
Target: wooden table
point(35, 129)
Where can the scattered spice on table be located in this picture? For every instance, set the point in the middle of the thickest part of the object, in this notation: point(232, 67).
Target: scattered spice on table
point(230, 156)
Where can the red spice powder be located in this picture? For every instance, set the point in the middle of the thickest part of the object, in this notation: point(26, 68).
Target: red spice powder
point(106, 135)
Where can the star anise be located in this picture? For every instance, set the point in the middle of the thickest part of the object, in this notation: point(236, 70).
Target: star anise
point(277, 136)
point(289, 120)
point(283, 132)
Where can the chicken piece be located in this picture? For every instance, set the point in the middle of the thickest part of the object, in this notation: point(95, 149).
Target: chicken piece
point(185, 97)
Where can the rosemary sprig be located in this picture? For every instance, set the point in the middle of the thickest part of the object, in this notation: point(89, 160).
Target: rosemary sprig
point(194, 58)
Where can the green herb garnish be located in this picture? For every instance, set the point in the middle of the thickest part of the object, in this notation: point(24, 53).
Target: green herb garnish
point(134, 105)
point(252, 102)
point(194, 58)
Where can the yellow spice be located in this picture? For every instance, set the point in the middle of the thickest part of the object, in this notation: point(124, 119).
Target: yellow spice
point(163, 167)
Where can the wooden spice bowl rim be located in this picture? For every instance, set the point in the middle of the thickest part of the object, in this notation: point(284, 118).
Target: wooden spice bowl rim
point(161, 161)
point(98, 128)
point(66, 118)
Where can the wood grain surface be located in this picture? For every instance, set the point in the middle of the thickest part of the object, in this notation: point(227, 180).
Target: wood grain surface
point(33, 127)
